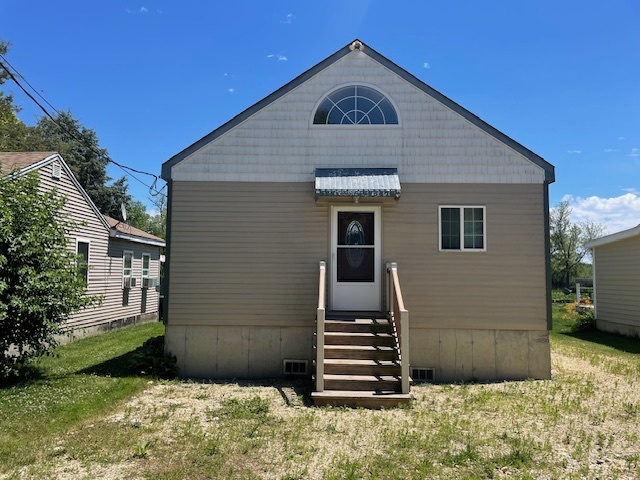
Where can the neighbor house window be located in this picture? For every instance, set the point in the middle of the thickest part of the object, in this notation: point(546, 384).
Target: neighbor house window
point(127, 264)
point(146, 261)
point(462, 228)
point(355, 105)
point(82, 251)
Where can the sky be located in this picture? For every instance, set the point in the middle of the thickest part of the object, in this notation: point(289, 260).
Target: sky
point(561, 77)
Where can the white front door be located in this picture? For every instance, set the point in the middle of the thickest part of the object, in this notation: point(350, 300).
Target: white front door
point(355, 258)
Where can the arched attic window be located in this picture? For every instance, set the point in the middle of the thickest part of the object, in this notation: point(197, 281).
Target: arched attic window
point(355, 105)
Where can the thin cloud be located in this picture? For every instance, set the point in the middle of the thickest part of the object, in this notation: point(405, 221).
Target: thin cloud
point(635, 152)
point(279, 57)
point(144, 10)
point(231, 90)
point(288, 19)
point(621, 138)
point(426, 65)
point(616, 213)
point(574, 151)
point(609, 150)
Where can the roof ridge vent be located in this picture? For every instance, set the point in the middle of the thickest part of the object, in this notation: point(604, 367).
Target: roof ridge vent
point(357, 45)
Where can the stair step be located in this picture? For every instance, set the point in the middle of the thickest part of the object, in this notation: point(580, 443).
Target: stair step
point(381, 383)
point(344, 338)
point(360, 352)
point(358, 325)
point(361, 367)
point(351, 398)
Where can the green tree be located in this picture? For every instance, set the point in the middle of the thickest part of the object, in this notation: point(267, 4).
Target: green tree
point(40, 285)
point(568, 241)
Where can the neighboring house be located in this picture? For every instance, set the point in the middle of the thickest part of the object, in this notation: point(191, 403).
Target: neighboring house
point(359, 163)
point(616, 283)
point(117, 253)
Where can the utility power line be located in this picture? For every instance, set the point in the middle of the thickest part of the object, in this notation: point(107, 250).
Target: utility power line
point(126, 169)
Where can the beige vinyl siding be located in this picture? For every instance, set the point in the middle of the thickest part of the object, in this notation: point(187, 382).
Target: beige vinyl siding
point(501, 288)
point(105, 258)
point(617, 271)
point(432, 144)
point(247, 253)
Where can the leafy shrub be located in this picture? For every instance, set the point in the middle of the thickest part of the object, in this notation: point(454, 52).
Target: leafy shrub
point(150, 359)
point(583, 314)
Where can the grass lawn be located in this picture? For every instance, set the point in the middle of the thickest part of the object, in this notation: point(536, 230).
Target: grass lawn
point(87, 416)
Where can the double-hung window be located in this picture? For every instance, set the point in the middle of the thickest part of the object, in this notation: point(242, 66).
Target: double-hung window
point(127, 264)
point(146, 261)
point(82, 251)
point(463, 228)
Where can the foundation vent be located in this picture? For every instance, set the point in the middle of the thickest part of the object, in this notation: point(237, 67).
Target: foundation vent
point(295, 367)
point(423, 374)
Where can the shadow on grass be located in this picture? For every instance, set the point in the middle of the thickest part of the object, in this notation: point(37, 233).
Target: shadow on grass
point(611, 340)
point(125, 365)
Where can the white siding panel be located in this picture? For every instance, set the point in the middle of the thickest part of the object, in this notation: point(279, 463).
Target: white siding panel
point(432, 144)
point(105, 259)
point(618, 282)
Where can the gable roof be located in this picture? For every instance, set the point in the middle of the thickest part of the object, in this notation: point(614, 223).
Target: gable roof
point(127, 232)
point(357, 44)
point(31, 161)
point(21, 160)
point(614, 237)
point(27, 162)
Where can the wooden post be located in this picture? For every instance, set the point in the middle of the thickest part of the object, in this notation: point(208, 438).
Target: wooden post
point(320, 318)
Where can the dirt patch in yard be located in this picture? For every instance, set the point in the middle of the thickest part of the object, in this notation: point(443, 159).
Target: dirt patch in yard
point(584, 423)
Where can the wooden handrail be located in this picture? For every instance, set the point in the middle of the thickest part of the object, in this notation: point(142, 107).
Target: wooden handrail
point(322, 285)
point(400, 320)
point(320, 317)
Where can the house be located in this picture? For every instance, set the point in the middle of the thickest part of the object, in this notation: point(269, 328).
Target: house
point(356, 195)
point(616, 262)
point(123, 262)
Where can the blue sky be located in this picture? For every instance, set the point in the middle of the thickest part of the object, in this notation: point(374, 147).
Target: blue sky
point(152, 77)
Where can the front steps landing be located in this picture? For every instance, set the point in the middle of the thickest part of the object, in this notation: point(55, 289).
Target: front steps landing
point(361, 365)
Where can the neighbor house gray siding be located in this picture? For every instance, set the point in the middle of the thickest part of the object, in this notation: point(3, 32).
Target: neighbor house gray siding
point(617, 282)
point(105, 260)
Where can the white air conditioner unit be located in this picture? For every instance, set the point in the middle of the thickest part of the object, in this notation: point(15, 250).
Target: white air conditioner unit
point(129, 282)
point(149, 282)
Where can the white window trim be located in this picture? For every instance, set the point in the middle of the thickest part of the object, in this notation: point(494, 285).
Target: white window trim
point(124, 254)
point(87, 241)
point(359, 126)
point(142, 266)
point(462, 248)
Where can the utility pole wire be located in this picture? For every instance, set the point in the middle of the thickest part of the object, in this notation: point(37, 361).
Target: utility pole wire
point(126, 169)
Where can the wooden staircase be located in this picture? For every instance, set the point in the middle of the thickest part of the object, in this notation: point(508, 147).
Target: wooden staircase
point(361, 365)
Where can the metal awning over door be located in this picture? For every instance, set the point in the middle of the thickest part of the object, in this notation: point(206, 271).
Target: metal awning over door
point(357, 182)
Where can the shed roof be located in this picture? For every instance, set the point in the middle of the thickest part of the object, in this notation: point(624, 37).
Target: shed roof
point(549, 171)
point(614, 237)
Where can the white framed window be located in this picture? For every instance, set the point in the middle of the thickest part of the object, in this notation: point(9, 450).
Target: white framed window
point(462, 228)
point(82, 251)
point(355, 105)
point(127, 263)
point(146, 263)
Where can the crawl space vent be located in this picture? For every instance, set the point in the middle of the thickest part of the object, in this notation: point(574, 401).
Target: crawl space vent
point(295, 367)
point(421, 374)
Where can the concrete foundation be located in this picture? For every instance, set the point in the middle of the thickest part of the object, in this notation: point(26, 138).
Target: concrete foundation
point(619, 328)
point(237, 352)
point(458, 355)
